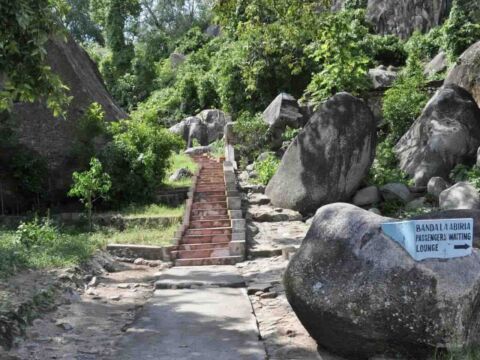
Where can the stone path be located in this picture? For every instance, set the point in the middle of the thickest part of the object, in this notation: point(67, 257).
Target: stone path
point(196, 313)
point(207, 239)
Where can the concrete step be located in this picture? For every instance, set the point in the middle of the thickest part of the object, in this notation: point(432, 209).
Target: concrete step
point(210, 199)
point(227, 260)
point(208, 224)
point(210, 192)
point(205, 239)
point(211, 231)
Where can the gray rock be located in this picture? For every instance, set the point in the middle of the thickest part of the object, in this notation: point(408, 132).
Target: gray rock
point(282, 112)
point(462, 195)
point(438, 65)
point(381, 77)
point(416, 204)
point(265, 213)
point(265, 155)
point(367, 196)
point(329, 158)
point(375, 211)
point(198, 150)
point(466, 72)
point(478, 158)
point(177, 59)
point(181, 174)
point(436, 185)
point(207, 127)
point(354, 289)
point(446, 134)
point(396, 191)
point(258, 199)
point(250, 167)
point(213, 30)
point(403, 17)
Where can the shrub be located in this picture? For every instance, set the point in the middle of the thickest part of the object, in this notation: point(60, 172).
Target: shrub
point(462, 172)
point(404, 102)
point(385, 169)
point(250, 136)
point(36, 233)
point(459, 32)
point(266, 169)
point(90, 186)
point(138, 158)
point(339, 53)
point(386, 49)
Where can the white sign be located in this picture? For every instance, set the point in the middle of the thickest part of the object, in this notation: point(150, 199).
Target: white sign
point(433, 239)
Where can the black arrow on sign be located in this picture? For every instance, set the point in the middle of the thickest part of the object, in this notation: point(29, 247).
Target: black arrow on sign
point(464, 246)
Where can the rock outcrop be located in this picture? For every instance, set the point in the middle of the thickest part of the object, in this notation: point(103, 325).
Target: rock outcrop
point(403, 17)
point(283, 112)
point(359, 293)
point(466, 73)
point(446, 134)
point(329, 158)
point(206, 127)
point(52, 139)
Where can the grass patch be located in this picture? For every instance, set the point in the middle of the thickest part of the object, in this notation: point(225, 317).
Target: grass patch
point(152, 210)
point(179, 161)
point(62, 251)
point(138, 236)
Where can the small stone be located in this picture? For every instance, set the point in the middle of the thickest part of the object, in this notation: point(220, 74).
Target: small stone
point(259, 293)
point(367, 196)
point(64, 325)
point(255, 287)
point(269, 295)
point(375, 211)
point(139, 261)
point(93, 282)
point(436, 185)
point(123, 286)
point(115, 298)
point(396, 191)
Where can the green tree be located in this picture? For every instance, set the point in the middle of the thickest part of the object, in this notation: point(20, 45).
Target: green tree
point(80, 23)
point(25, 28)
point(90, 186)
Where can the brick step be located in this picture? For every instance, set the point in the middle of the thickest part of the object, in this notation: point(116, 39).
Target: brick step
point(227, 260)
point(203, 246)
point(219, 190)
point(212, 212)
point(209, 205)
point(210, 200)
point(206, 253)
point(208, 224)
point(209, 217)
point(205, 239)
point(212, 231)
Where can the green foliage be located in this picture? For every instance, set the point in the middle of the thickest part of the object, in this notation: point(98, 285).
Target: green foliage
point(90, 186)
point(343, 60)
point(30, 172)
point(386, 49)
point(250, 135)
point(266, 169)
point(290, 134)
point(459, 32)
point(355, 4)
point(404, 102)
point(385, 167)
point(137, 159)
point(25, 27)
point(218, 148)
point(36, 233)
point(192, 41)
point(80, 23)
point(462, 172)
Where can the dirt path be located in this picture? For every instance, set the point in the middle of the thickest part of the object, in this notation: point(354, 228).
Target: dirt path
point(87, 326)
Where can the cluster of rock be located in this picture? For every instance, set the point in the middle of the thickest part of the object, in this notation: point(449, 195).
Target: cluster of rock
point(205, 127)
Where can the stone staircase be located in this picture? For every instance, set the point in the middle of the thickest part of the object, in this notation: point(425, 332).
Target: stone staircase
point(208, 233)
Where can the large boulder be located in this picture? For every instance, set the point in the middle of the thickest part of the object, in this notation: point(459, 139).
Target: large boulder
point(359, 293)
point(466, 72)
point(437, 65)
point(206, 127)
point(462, 195)
point(329, 158)
point(382, 77)
point(53, 139)
point(283, 112)
point(446, 134)
point(403, 17)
